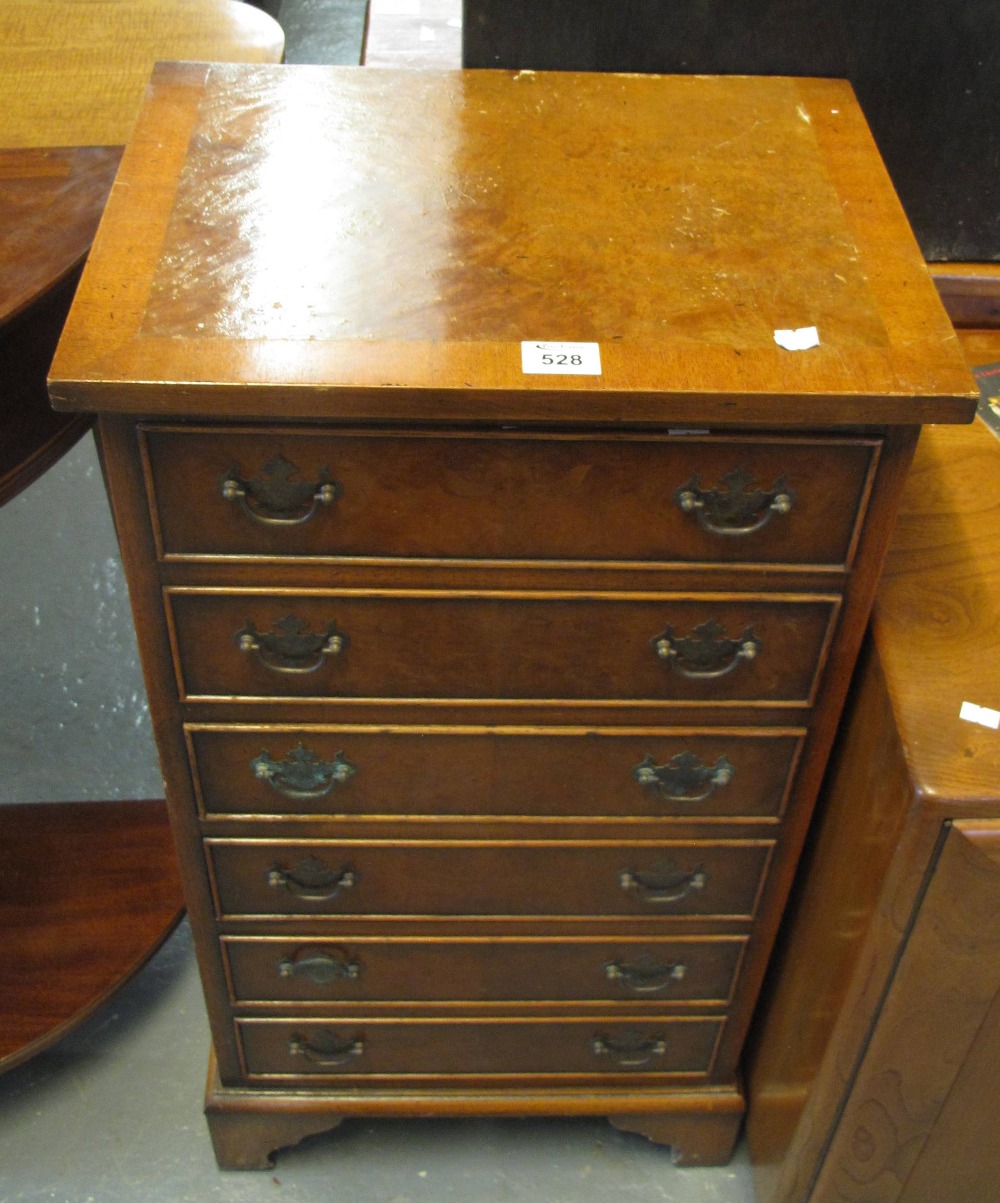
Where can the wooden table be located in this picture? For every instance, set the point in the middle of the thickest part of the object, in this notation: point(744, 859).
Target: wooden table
point(877, 1051)
point(492, 699)
point(73, 72)
point(72, 76)
point(88, 892)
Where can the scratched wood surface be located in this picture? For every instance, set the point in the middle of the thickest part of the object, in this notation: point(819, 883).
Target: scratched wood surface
point(372, 250)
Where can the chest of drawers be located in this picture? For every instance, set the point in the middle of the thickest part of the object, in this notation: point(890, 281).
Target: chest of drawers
point(492, 702)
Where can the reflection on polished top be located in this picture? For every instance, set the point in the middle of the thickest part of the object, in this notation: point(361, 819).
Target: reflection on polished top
point(396, 235)
point(306, 211)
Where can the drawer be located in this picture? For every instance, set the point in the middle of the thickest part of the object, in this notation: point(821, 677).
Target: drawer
point(368, 771)
point(506, 496)
point(443, 970)
point(499, 645)
point(383, 878)
point(427, 1047)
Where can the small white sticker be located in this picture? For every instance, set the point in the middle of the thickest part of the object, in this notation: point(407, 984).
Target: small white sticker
point(427, 34)
point(797, 340)
point(982, 715)
point(561, 359)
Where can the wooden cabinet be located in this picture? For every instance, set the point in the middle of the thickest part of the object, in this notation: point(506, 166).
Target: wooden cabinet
point(492, 702)
point(875, 1056)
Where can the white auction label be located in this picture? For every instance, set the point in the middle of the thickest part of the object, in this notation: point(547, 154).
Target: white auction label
point(802, 339)
point(983, 715)
point(561, 359)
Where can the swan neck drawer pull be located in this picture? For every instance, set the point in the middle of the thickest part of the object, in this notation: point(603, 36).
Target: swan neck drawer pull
point(707, 652)
point(665, 882)
point(279, 496)
point(301, 775)
point(292, 646)
point(739, 507)
point(311, 880)
point(629, 1049)
point(320, 967)
point(645, 975)
point(684, 778)
point(326, 1048)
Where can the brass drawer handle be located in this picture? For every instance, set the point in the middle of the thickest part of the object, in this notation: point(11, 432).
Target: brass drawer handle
point(291, 647)
point(738, 508)
point(707, 652)
point(665, 882)
point(301, 775)
point(326, 1048)
point(684, 778)
point(645, 975)
point(629, 1049)
point(320, 967)
point(311, 880)
point(279, 497)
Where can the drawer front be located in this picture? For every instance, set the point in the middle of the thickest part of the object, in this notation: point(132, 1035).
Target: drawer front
point(574, 772)
point(507, 497)
point(360, 970)
point(455, 877)
point(424, 1047)
point(405, 645)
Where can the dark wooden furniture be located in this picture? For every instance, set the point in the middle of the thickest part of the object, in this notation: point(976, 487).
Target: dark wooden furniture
point(50, 203)
point(878, 1047)
point(88, 892)
point(492, 703)
point(928, 80)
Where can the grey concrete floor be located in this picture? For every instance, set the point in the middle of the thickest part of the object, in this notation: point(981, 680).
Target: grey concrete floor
point(113, 1112)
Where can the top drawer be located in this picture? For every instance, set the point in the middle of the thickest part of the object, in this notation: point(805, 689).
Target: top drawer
point(507, 497)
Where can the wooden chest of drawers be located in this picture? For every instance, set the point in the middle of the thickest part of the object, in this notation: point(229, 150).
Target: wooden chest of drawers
point(492, 702)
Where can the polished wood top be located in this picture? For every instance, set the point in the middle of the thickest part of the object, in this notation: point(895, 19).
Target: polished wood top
point(73, 72)
point(89, 892)
point(379, 243)
point(50, 203)
point(936, 619)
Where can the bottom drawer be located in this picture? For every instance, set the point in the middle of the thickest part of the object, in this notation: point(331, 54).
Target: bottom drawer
point(427, 1047)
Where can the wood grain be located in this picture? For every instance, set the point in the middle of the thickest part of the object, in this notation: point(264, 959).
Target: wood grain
point(946, 982)
point(88, 892)
point(399, 876)
point(73, 72)
point(503, 771)
point(394, 333)
point(484, 972)
point(479, 262)
point(508, 646)
point(402, 1052)
point(51, 201)
point(905, 765)
point(462, 495)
